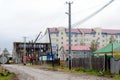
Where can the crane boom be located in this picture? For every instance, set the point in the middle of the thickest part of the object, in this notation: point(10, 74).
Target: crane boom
point(37, 37)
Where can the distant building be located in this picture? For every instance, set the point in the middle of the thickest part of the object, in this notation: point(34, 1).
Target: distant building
point(5, 56)
point(31, 49)
point(76, 52)
point(82, 36)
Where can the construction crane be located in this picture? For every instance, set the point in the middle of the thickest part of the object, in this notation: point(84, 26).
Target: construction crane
point(37, 37)
point(93, 14)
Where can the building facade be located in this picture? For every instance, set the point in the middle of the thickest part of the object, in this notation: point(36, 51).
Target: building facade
point(82, 36)
point(36, 49)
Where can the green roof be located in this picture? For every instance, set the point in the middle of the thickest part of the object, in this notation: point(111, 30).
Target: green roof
point(109, 48)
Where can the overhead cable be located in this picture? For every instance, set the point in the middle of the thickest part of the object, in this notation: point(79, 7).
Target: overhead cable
point(93, 14)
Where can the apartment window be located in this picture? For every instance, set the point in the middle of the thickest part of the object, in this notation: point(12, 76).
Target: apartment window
point(116, 36)
point(103, 36)
point(57, 35)
point(75, 40)
point(75, 44)
point(67, 35)
point(103, 41)
point(67, 40)
point(93, 35)
point(75, 35)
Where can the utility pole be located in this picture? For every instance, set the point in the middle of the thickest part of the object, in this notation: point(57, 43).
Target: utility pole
point(69, 24)
point(24, 56)
point(51, 48)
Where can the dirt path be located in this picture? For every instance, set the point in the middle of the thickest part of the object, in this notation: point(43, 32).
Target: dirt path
point(29, 73)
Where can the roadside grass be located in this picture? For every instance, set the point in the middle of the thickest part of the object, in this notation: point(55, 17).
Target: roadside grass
point(78, 71)
point(6, 75)
point(117, 77)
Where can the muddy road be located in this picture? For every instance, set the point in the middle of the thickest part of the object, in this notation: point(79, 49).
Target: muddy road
point(29, 73)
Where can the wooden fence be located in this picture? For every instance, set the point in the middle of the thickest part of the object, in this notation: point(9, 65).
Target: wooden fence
point(91, 63)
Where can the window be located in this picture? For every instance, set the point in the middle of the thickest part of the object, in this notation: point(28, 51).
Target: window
point(103, 36)
point(61, 33)
point(57, 35)
point(61, 37)
point(67, 40)
point(75, 40)
point(75, 44)
point(93, 35)
point(61, 42)
point(116, 36)
point(75, 35)
point(103, 41)
point(67, 35)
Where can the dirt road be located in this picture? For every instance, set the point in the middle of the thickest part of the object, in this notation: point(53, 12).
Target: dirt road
point(29, 73)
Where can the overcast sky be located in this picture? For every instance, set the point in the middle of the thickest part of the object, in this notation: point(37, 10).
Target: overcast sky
point(19, 18)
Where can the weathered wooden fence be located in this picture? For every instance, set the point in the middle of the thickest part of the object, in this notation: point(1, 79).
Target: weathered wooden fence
point(91, 63)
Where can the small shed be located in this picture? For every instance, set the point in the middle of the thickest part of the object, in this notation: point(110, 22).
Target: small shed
point(110, 50)
point(76, 51)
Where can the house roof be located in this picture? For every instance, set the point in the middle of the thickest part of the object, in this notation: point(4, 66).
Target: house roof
point(77, 48)
point(53, 29)
point(87, 30)
point(74, 30)
point(109, 48)
point(110, 31)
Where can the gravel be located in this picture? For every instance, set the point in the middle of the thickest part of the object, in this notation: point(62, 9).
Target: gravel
point(29, 73)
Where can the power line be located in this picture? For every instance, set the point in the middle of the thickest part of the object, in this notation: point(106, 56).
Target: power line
point(93, 14)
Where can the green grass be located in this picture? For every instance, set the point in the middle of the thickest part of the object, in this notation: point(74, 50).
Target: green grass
point(6, 75)
point(116, 77)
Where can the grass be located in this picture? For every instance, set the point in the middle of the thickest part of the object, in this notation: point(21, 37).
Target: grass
point(6, 75)
point(78, 71)
point(117, 77)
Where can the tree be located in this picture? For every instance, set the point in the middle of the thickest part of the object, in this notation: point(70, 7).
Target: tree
point(112, 39)
point(93, 46)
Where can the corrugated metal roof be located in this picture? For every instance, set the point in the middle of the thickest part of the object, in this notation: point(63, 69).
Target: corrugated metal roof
point(83, 30)
point(73, 30)
point(87, 30)
point(77, 47)
point(110, 31)
point(53, 29)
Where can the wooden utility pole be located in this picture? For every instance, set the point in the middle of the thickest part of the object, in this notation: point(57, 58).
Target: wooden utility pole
point(69, 24)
